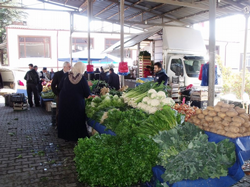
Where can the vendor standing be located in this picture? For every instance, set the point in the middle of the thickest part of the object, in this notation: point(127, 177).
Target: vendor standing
point(113, 79)
point(160, 74)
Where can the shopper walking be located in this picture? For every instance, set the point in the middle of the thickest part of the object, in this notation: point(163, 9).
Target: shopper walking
point(32, 81)
point(73, 89)
point(55, 85)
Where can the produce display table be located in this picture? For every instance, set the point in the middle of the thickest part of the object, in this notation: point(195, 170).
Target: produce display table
point(235, 173)
point(42, 101)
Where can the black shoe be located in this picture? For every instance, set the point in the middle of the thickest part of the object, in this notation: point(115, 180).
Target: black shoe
point(38, 105)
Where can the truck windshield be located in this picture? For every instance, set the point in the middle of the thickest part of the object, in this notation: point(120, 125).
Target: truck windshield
point(193, 67)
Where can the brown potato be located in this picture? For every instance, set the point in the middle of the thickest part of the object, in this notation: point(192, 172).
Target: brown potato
point(226, 128)
point(235, 124)
point(217, 119)
point(212, 113)
point(206, 128)
point(244, 116)
point(223, 109)
point(205, 112)
point(242, 130)
point(225, 123)
point(246, 124)
point(210, 108)
point(231, 135)
point(225, 105)
point(208, 118)
point(201, 116)
point(205, 124)
point(222, 132)
point(231, 105)
point(220, 103)
point(190, 120)
point(222, 115)
point(198, 111)
point(217, 108)
point(240, 110)
point(234, 129)
point(220, 127)
point(238, 119)
point(228, 118)
point(214, 130)
point(231, 113)
point(197, 121)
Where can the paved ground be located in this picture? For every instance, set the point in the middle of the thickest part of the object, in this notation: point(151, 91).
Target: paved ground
point(31, 155)
point(30, 152)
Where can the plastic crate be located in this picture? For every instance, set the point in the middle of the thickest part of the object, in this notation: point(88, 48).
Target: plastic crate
point(18, 97)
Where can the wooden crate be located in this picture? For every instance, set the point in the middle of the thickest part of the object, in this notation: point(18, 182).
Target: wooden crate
point(48, 106)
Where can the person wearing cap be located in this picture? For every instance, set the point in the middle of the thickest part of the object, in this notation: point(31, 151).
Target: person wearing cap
point(113, 79)
point(73, 91)
point(45, 75)
point(32, 80)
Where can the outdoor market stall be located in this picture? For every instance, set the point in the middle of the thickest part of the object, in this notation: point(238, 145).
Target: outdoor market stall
point(143, 138)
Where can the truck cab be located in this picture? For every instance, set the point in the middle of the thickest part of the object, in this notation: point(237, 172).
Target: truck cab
point(183, 55)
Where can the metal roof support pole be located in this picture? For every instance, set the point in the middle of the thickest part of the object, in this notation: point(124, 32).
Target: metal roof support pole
point(212, 17)
point(122, 35)
point(89, 20)
point(153, 51)
point(70, 37)
point(138, 53)
point(245, 56)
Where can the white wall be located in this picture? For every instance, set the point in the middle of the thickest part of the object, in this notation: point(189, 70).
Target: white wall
point(22, 63)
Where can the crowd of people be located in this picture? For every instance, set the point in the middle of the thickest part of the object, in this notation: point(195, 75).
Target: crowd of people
point(71, 87)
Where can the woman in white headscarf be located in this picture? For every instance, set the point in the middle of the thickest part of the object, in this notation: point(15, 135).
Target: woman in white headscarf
point(73, 91)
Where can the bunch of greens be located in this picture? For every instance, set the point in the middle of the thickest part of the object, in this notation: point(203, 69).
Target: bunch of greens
point(187, 154)
point(122, 122)
point(137, 94)
point(102, 104)
point(105, 160)
point(115, 92)
point(94, 82)
point(161, 120)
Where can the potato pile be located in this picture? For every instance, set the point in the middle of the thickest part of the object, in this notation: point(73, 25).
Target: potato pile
point(224, 119)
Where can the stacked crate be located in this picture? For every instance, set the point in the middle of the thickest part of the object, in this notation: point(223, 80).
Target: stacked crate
point(19, 101)
point(199, 98)
point(143, 62)
point(175, 92)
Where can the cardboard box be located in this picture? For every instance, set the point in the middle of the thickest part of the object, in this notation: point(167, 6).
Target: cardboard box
point(48, 106)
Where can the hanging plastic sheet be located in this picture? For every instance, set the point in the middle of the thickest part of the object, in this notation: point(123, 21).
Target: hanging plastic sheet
point(235, 173)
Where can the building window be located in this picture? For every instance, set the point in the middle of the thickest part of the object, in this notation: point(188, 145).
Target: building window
point(109, 42)
point(80, 44)
point(34, 47)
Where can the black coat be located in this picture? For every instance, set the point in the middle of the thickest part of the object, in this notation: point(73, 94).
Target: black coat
point(71, 116)
point(56, 81)
point(32, 77)
point(114, 81)
point(104, 77)
point(161, 76)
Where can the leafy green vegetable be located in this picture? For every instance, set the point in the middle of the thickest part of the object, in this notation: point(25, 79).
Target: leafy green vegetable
point(161, 120)
point(187, 154)
point(105, 160)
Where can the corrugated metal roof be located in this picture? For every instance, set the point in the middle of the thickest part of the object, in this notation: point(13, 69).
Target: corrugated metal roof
point(138, 12)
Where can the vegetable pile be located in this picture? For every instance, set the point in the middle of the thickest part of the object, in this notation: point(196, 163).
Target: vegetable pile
point(105, 160)
point(187, 154)
point(155, 101)
point(186, 110)
point(223, 119)
point(137, 94)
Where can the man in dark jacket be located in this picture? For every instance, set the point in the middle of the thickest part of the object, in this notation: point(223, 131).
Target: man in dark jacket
point(113, 79)
point(160, 74)
point(55, 84)
point(32, 80)
point(103, 75)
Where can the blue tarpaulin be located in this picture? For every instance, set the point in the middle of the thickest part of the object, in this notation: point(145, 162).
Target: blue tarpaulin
point(235, 173)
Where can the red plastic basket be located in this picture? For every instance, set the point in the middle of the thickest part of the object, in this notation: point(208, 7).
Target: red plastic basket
point(123, 67)
point(90, 68)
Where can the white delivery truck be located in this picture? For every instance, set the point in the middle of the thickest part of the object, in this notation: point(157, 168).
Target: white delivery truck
point(183, 54)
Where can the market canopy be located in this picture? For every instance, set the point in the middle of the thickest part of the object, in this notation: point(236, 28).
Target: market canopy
point(144, 14)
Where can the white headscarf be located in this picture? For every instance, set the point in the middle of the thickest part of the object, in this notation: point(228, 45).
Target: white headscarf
point(79, 67)
point(76, 73)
